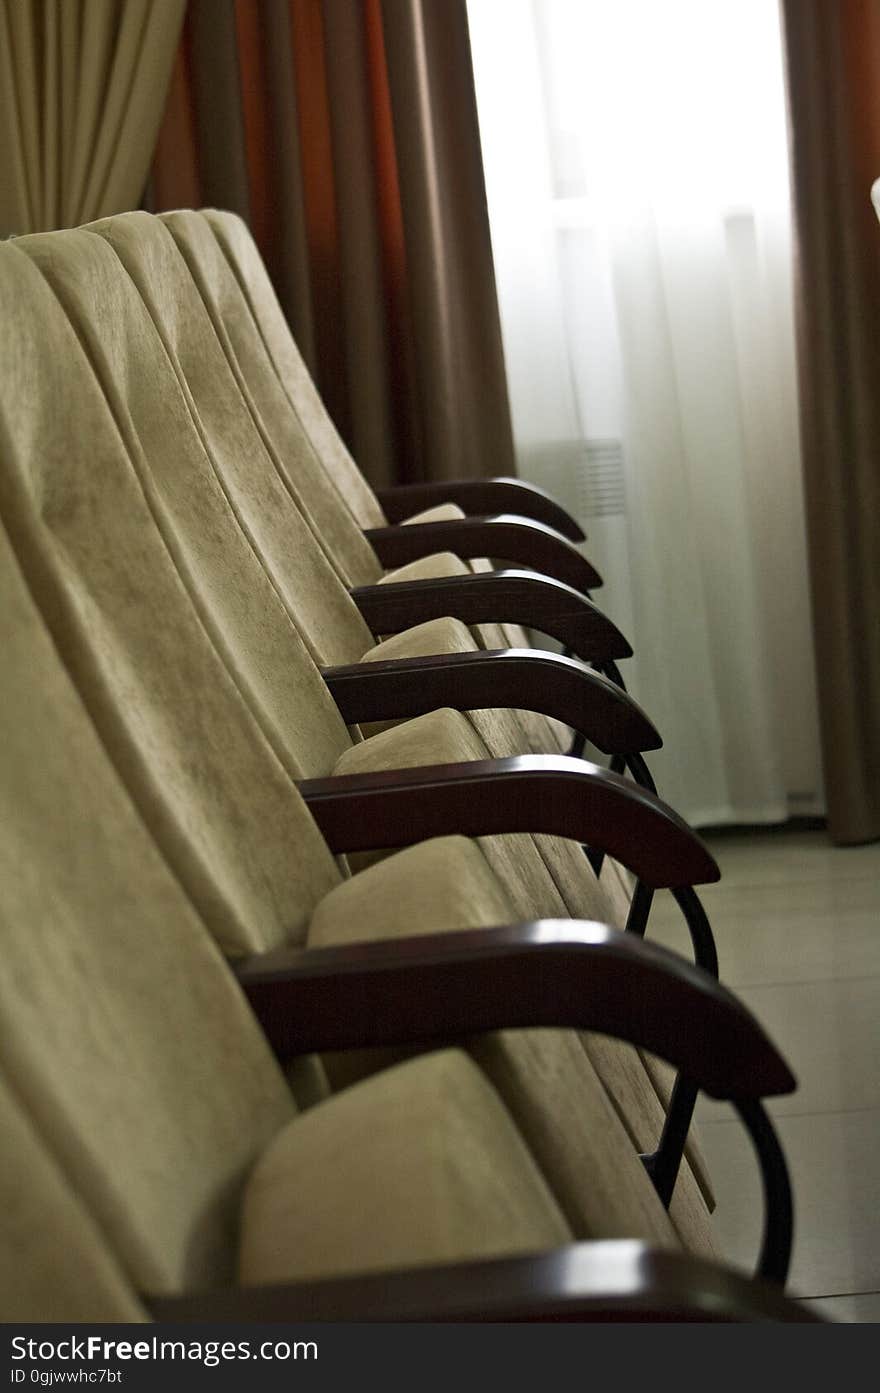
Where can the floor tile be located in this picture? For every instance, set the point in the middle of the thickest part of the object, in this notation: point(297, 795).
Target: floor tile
point(860, 1307)
point(775, 934)
point(829, 1033)
point(789, 857)
point(835, 1167)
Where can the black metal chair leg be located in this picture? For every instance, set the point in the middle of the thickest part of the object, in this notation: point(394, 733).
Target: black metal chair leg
point(778, 1206)
point(663, 1164)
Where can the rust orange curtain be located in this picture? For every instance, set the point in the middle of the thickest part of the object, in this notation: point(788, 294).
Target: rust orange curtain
point(833, 53)
point(345, 132)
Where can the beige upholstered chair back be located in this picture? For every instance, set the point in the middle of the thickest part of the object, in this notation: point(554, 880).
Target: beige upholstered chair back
point(316, 597)
point(53, 1260)
point(288, 439)
point(82, 520)
point(216, 559)
point(239, 246)
point(122, 1033)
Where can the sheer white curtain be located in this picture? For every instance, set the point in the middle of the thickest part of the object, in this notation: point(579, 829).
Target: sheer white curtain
point(636, 169)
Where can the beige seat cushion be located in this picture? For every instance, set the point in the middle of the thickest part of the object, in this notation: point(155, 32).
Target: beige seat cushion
point(546, 735)
point(434, 567)
point(418, 1165)
point(441, 512)
point(430, 888)
point(423, 641)
point(590, 1162)
point(443, 737)
point(643, 1096)
point(447, 737)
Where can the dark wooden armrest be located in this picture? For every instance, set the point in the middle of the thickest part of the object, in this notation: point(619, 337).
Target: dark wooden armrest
point(601, 1281)
point(496, 597)
point(481, 496)
point(441, 987)
point(527, 793)
point(520, 678)
point(504, 537)
point(444, 987)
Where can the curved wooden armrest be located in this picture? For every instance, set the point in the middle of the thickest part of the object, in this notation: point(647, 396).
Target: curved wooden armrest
point(520, 678)
point(479, 497)
point(496, 597)
point(527, 793)
point(503, 537)
point(603, 1281)
point(441, 987)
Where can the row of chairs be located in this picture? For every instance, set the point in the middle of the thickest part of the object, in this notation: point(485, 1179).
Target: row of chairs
point(313, 1004)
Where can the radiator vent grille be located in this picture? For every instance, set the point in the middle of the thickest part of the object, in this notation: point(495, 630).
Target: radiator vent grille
point(600, 486)
point(585, 475)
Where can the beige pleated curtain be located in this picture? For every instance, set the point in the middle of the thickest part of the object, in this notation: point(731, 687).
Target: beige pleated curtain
point(345, 132)
point(833, 54)
point(82, 90)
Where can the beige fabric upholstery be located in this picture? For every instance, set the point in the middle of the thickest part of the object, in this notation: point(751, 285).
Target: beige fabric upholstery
point(260, 455)
point(446, 737)
point(140, 1067)
point(236, 600)
point(545, 735)
point(433, 567)
point(286, 431)
point(133, 632)
point(117, 1017)
point(537, 1072)
point(286, 438)
point(438, 885)
point(542, 873)
point(245, 616)
point(221, 574)
point(54, 1265)
point(265, 456)
point(219, 803)
point(423, 640)
point(316, 598)
point(240, 249)
point(263, 338)
point(641, 1107)
point(441, 512)
point(443, 737)
point(419, 1165)
point(528, 732)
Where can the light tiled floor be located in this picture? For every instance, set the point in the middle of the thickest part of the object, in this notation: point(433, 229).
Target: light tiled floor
point(797, 923)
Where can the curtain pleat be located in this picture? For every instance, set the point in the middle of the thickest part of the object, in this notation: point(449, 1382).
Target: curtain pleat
point(460, 367)
point(834, 92)
point(286, 247)
point(374, 398)
point(346, 135)
point(222, 158)
point(82, 89)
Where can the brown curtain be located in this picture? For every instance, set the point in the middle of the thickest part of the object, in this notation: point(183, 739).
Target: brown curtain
point(834, 92)
point(82, 89)
point(345, 132)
